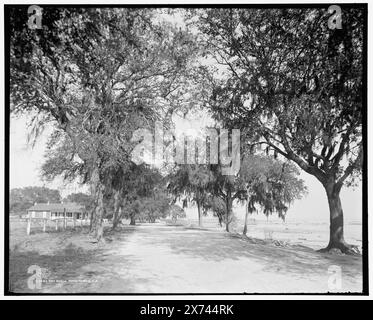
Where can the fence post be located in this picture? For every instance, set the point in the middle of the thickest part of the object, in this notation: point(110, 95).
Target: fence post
point(29, 223)
point(64, 219)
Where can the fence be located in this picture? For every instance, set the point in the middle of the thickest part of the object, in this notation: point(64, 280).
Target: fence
point(57, 221)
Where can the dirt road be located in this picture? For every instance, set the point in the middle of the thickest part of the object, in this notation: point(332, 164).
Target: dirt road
point(156, 258)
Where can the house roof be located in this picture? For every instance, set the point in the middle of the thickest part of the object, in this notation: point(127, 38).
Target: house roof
point(57, 207)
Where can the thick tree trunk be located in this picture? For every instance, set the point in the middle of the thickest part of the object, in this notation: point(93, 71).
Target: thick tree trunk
point(117, 218)
point(98, 192)
point(99, 230)
point(336, 236)
point(133, 220)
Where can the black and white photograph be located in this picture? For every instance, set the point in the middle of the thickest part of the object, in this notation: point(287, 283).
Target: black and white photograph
point(171, 149)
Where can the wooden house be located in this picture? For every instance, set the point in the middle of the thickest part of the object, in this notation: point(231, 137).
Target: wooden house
point(56, 212)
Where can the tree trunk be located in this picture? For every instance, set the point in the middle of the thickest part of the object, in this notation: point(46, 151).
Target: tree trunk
point(246, 216)
point(199, 214)
point(336, 236)
point(228, 204)
point(133, 220)
point(220, 217)
point(99, 230)
point(118, 218)
point(92, 214)
point(98, 192)
point(116, 215)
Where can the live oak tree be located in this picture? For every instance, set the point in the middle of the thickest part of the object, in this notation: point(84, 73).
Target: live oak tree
point(155, 206)
point(227, 188)
point(263, 183)
point(217, 206)
point(271, 185)
point(175, 212)
point(130, 191)
point(295, 85)
point(142, 192)
point(191, 183)
point(96, 75)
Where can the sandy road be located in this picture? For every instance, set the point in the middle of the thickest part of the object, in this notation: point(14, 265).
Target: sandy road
point(156, 258)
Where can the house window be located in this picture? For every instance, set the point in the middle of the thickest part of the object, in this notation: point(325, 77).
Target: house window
point(38, 214)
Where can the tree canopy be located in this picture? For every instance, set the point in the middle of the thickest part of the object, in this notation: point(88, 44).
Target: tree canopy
point(98, 75)
point(292, 85)
point(295, 85)
point(22, 199)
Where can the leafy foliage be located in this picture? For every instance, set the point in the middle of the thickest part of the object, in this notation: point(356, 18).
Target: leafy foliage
point(270, 184)
point(190, 183)
point(293, 84)
point(83, 199)
point(22, 199)
point(97, 75)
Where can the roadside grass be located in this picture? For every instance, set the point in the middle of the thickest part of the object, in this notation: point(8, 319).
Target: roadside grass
point(61, 255)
